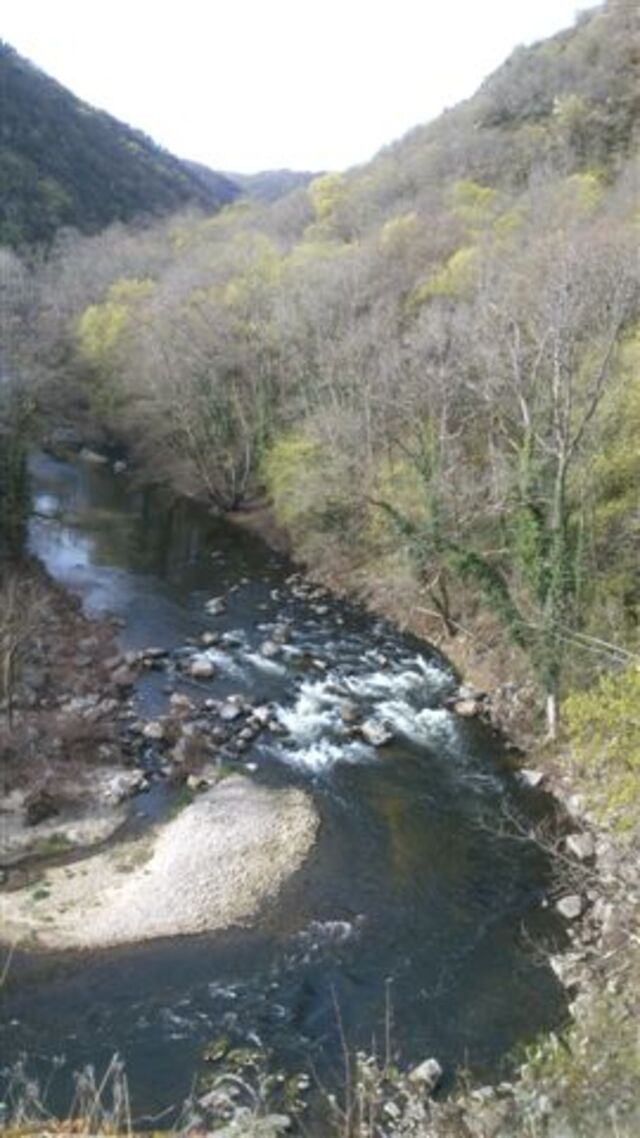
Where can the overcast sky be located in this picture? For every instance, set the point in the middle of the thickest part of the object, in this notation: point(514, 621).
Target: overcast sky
point(247, 85)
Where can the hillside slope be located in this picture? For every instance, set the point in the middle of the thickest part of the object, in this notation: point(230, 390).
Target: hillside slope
point(64, 163)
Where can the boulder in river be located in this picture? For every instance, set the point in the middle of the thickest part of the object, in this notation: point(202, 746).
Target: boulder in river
point(570, 907)
point(201, 668)
point(154, 730)
point(216, 606)
point(375, 733)
point(92, 457)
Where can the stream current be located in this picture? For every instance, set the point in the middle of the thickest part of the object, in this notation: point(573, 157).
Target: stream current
point(419, 896)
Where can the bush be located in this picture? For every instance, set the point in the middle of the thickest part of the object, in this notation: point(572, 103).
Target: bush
point(604, 728)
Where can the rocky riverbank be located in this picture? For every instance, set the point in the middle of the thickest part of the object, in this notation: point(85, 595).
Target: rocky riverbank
point(75, 754)
point(212, 866)
point(583, 1082)
point(61, 711)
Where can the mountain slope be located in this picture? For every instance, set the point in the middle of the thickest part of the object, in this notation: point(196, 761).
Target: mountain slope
point(64, 163)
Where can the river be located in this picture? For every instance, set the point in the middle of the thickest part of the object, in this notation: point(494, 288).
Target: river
point(419, 897)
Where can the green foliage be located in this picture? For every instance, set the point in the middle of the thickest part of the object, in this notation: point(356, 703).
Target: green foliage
point(473, 203)
point(292, 470)
point(456, 277)
point(603, 724)
point(326, 194)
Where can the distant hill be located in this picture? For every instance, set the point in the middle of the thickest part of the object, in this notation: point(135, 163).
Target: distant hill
point(270, 185)
point(63, 162)
point(266, 186)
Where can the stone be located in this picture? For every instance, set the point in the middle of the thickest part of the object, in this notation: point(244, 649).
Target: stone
point(123, 678)
point(570, 907)
point(230, 711)
point(180, 702)
point(280, 633)
point(376, 734)
point(124, 784)
point(426, 1075)
point(201, 668)
point(269, 649)
point(215, 606)
point(581, 846)
point(154, 730)
point(119, 466)
point(469, 707)
point(92, 457)
point(154, 653)
point(349, 711)
point(531, 777)
point(208, 639)
point(615, 930)
point(261, 715)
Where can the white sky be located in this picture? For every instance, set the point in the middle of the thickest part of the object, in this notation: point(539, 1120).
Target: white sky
point(248, 85)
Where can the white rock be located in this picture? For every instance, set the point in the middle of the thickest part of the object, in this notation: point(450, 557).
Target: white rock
point(180, 702)
point(201, 668)
point(92, 456)
point(153, 730)
point(215, 606)
point(426, 1075)
point(570, 907)
point(377, 734)
point(230, 711)
point(581, 846)
point(531, 778)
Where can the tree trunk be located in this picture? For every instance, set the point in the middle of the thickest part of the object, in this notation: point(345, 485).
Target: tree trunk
point(552, 716)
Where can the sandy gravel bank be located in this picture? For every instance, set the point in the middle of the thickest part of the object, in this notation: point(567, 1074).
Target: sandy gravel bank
point(212, 866)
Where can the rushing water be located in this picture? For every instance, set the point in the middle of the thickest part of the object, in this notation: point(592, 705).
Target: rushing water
point(418, 894)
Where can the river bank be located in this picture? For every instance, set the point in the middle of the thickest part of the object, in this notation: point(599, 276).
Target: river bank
point(586, 1078)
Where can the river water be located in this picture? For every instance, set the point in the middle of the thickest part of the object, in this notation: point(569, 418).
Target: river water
point(419, 898)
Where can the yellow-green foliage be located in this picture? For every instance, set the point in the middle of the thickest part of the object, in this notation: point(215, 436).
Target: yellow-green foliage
point(263, 271)
point(594, 1066)
point(399, 231)
point(604, 729)
point(456, 277)
point(398, 483)
point(472, 203)
point(617, 468)
point(292, 470)
point(326, 193)
point(101, 325)
point(583, 192)
point(508, 222)
point(313, 249)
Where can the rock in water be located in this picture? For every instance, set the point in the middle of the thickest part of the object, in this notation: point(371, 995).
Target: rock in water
point(201, 668)
point(375, 733)
point(570, 907)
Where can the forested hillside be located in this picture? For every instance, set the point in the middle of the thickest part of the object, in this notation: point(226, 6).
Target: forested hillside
point(65, 163)
point(428, 364)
